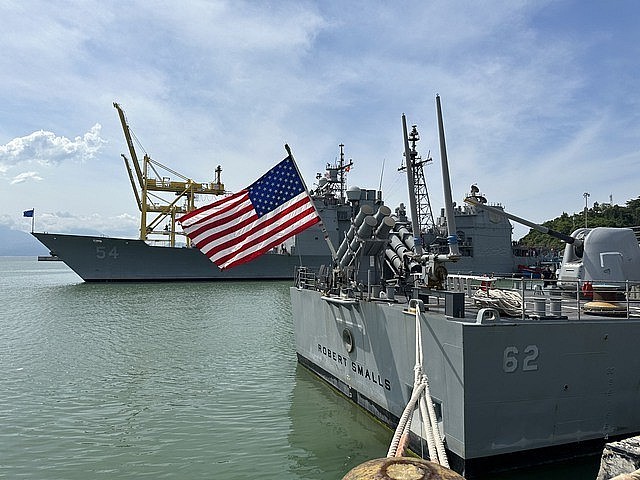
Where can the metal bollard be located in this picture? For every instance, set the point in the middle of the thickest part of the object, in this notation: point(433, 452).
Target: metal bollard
point(555, 307)
point(401, 468)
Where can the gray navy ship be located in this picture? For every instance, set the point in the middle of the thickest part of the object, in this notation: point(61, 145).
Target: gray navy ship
point(518, 376)
point(162, 195)
point(109, 259)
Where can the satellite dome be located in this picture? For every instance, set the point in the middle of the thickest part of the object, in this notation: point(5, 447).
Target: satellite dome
point(353, 194)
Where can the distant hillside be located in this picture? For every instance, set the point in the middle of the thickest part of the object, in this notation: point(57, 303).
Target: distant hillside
point(14, 243)
point(603, 215)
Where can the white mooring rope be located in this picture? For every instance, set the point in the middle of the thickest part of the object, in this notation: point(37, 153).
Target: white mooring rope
point(506, 301)
point(421, 395)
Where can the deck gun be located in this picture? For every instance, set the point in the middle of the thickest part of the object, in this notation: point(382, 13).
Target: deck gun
point(602, 255)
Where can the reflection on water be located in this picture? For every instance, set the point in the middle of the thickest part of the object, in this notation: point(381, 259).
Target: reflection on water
point(330, 434)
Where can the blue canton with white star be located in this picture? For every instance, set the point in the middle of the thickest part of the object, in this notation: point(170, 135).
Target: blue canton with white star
point(277, 186)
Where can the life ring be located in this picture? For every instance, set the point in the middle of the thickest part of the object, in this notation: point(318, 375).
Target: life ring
point(347, 339)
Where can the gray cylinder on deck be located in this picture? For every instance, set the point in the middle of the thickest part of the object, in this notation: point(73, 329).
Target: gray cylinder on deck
point(396, 251)
point(345, 242)
point(382, 232)
point(397, 245)
point(365, 211)
point(394, 259)
point(346, 258)
point(382, 212)
point(407, 237)
point(366, 229)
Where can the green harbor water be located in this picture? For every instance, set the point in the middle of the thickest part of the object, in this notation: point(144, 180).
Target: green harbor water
point(169, 380)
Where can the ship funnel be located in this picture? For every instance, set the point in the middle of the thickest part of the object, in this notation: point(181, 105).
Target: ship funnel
point(452, 237)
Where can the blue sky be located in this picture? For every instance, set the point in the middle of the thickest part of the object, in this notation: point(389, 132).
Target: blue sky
point(541, 99)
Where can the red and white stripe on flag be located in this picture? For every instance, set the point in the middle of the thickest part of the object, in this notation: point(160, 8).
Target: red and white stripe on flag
point(231, 232)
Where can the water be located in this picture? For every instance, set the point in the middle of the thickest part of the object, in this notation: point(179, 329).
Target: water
point(168, 380)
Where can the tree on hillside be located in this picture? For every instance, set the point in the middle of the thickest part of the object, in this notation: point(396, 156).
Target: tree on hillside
point(600, 215)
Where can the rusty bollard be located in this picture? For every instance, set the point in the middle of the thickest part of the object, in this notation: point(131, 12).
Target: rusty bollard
point(401, 468)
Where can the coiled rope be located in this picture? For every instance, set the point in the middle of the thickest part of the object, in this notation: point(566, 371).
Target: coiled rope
point(506, 301)
point(422, 397)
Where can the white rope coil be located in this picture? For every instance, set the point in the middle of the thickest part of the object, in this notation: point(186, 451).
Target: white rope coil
point(505, 301)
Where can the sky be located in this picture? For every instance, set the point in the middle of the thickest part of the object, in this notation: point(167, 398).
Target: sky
point(540, 98)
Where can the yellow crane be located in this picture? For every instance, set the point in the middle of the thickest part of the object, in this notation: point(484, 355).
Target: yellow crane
point(149, 182)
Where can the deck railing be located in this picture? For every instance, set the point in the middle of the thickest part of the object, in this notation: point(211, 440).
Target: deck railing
point(544, 299)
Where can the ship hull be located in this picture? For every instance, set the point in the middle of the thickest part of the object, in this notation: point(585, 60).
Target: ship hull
point(107, 259)
point(506, 392)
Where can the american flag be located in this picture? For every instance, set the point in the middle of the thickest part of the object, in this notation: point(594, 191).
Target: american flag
point(243, 226)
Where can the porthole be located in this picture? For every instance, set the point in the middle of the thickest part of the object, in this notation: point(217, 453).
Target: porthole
point(347, 339)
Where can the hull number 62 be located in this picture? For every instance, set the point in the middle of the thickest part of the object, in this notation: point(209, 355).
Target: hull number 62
point(525, 360)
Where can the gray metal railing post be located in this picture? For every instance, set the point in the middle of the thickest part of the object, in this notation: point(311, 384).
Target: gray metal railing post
point(523, 299)
point(578, 298)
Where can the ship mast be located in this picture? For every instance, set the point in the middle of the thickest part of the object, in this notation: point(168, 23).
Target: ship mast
point(342, 167)
point(154, 184)
point(333, 182)
point(417, 237)
point(426, 222)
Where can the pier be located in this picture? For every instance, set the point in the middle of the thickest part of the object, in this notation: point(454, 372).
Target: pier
point(621, 460)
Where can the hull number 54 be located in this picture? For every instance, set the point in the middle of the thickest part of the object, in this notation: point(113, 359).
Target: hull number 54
point(526, 359)
point(101, 252)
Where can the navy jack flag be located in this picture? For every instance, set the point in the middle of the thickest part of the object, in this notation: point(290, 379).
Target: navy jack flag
point(243, 226)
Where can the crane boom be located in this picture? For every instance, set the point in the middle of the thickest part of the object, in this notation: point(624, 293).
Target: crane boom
point(155, 184)
point(127, 136)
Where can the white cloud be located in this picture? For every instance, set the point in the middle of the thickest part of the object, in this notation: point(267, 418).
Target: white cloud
point(46, 148)
point(525, 84)
point(23, 177)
